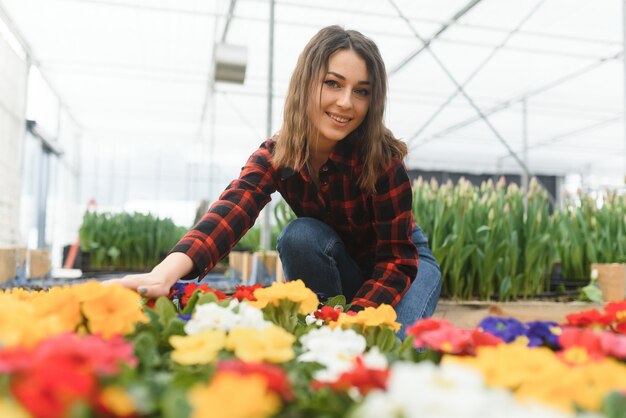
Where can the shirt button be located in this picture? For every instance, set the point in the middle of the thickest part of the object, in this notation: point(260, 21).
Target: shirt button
point(324, 183)
point(325, 168)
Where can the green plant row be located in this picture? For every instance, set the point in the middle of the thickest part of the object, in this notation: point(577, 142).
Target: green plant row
point(127, 241)
point(484, 242)
point(586, 233)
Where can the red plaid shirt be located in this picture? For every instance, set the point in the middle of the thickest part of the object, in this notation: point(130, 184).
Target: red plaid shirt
point(376, 229)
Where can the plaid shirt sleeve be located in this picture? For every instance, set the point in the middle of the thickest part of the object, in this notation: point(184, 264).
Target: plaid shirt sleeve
point(396, 254)
point(230, 217)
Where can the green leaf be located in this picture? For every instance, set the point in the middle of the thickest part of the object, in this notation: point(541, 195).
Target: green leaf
point(146, 350)
point(206, 298)
point(165, 309)
point(339, 300)
point(614, 405)
point(174, 403)
point(591, 293)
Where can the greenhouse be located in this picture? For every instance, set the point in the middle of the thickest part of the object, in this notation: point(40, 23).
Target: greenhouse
point(296, 208)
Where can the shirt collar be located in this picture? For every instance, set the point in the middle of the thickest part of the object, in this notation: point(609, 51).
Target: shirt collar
point(345, 157)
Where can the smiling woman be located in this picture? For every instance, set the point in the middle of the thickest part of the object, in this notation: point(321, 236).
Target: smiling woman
point(342, 172)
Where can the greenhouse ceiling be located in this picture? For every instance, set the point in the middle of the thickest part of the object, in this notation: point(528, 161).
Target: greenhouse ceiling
point(548, 72)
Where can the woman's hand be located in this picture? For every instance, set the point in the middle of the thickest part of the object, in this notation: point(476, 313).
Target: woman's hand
point(150, 285)
point(159, 281)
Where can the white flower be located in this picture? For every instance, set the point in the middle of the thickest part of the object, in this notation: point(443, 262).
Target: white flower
point(374, 359)
point(250, 317)
point(335, 349)
point(311, 319)
point(213, 316)
point(426, 390)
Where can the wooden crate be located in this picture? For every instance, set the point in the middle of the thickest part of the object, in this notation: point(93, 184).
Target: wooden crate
point(256, 267)
point(12, 263)
point(39, 263)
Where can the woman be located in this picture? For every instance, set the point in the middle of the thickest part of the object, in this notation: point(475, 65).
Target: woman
point(341, 171)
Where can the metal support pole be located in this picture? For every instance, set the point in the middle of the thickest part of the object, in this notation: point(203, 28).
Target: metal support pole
point(266, 230)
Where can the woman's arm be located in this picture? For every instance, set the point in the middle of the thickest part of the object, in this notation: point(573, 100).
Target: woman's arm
point(396, 255)
point(162, 277)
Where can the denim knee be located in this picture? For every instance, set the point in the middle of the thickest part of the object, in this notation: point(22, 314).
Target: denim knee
point(304, 234)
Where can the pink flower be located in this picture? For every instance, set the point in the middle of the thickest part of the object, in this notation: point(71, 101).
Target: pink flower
point(613, 345)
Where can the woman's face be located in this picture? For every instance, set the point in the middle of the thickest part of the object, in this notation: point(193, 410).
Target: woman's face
point(345, 98)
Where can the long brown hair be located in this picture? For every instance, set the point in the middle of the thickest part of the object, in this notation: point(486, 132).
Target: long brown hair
point(375, 142)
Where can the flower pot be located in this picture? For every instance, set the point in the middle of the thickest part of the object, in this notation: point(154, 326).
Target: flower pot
point(612, 280)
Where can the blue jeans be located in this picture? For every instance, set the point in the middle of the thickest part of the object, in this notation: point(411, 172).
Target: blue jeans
point(312, 251)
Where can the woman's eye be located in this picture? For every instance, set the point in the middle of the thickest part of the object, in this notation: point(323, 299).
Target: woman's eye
point(331, 83)
point(362, 92)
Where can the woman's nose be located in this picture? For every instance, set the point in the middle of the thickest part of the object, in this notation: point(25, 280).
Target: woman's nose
point(345, 99)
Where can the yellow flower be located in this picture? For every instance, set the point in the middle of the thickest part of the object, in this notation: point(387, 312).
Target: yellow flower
point(116, 400)
point(293, 290)
point(200, 348)
point(230, 395)
point(9, 408)
point(537, 374)
point(110, 310)
point(383, 315)
point(59, 302)
point(272, 344)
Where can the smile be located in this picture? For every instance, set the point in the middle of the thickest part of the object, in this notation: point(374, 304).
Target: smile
point(338, 118)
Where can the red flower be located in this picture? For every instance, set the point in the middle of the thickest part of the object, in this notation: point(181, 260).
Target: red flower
point(426, 324)
point(441, 335)
point(49, 390)
point(586, 339)
point(480, 339)
point(51, 377)
point(276, 378)
point(360, 377)
point(613, 345)
point(204, 288)
point(617, 312)
point(328, 313)
point(590, 318)
point(246, 292)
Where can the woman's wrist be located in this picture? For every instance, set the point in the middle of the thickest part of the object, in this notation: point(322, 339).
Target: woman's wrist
point(173, 267)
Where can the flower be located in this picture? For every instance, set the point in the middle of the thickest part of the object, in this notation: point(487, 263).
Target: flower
point(452, 391)
point(368, 372)
point(233, 395)
point(383, 315)
point(613, 345)
point(328, 313)
point(190, 288)
point(199, 348)
point(543, 333)
point(10, 409)
point(617, 312)
point(589, 318)
point(272, 344)
point(294, 290)
point(111, 309)
point(276, 378)
point(441, 336)
point(335, 349)
point(580, 345)
point(246, 292)
point(115, 401)
point(236, 314)
point(507, 329)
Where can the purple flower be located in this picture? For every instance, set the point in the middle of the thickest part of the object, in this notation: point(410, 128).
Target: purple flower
point(540, 333)
point(508, 329)
point(184, 317)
